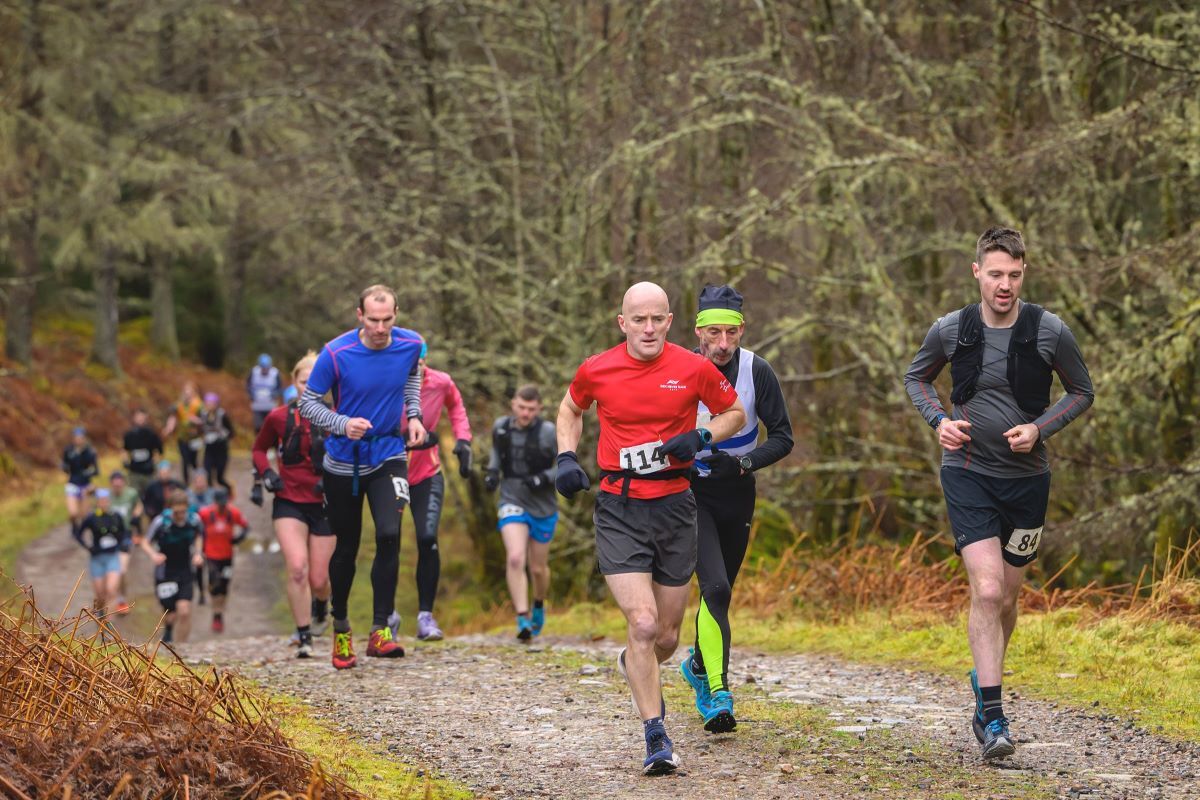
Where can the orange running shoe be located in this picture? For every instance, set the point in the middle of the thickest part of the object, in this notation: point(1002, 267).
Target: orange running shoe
point(122, 608)
point(343, 651)
point(382, 645)
point(218, 625)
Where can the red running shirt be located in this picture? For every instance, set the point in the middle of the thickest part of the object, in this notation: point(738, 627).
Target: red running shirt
point(639, 402)
point(218, 530)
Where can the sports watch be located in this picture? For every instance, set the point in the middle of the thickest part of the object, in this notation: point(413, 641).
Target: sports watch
point(705, 436)
point(745, 463)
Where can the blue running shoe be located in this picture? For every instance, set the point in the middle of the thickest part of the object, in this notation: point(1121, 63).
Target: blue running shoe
point(524, 628)
point(660, 753)
point(997, 741)
point(698, 682)
point(538, 619)
point(625, 675)
point(719, 718)
point(977, 717)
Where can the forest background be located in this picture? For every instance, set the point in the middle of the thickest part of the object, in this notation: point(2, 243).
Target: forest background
point(233, 173)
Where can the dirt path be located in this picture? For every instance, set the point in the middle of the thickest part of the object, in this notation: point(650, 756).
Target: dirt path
point(53, 564)
point(555, 721)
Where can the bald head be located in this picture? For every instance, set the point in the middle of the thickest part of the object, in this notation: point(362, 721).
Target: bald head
point(645, 319)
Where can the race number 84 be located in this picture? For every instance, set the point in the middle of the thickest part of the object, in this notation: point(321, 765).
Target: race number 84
point(1024, 541)
point(643, 459)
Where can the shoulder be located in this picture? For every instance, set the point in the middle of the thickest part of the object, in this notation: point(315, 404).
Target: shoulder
point(406, 336)
point(193, 518)
point(342, 341)
point(437, 378)
point(500, 424)
point(762, 368)
point(1051, 322)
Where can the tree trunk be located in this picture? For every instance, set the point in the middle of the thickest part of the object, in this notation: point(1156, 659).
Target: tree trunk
point(105, 286)
point(163, 336)
point(22, 297)
point(240, 250)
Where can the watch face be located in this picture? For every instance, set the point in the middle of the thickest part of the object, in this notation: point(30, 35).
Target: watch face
point(745, 463)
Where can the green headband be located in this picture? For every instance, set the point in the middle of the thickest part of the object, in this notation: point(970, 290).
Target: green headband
point(719, 316)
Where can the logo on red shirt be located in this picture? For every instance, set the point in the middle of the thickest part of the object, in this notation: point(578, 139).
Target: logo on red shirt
point(673, 386)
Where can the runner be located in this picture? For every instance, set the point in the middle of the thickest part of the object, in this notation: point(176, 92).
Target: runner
point(216, 429)
point(298, 511)
point(184, 421)
point(522, 465)
point(199, 495)
point(142, 444)
point(427, 488)
point(646, 392)
point(173, 532)
point(995, 472)
point(725, 493)
point(128, 505)
point(375, 378)
point(154, 499)
point(108, 537)
point(224, 527)
point(265, 390)
point(80, 464)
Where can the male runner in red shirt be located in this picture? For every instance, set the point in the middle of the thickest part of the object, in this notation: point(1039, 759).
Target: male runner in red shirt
point(224, 526)
point(646, 392)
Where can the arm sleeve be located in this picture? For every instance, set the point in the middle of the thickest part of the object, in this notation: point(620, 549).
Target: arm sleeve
point(155, 527)
point(716, 392)
point(77, 532)
point(494, 458)
point(548, 443)
point(93, 466)
point(63, 463)
point(412, 393)
point(925, 368)
point(157, 447)
point(771, 408)
point(457, 413)
point(316, 412)
point(266, 439)
point(1073, 372)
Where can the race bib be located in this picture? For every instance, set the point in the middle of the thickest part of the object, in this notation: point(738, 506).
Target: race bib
point(139, 455)
point(196, 444)
point(107, 542)
point(642, 459)
point(166, 590)
point(1024, 542)
point(401, 487)
point(510, 510)
point(227, 571)
point(210, 438)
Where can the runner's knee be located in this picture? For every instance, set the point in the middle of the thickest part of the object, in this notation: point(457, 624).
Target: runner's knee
point(643, 626)
point(988, 592)
point(516, 561)
point(298, 573)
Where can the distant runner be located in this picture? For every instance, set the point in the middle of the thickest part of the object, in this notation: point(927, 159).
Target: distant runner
point(646, 392)
point(224, 528)
point(1003, 354)
point(216, 430)
point(80, 464)
point(106, 537)
point(125, 501)
point(155, 498)
point(265, 390)
point(184, 421)
point(142, 447)
point(174, 532)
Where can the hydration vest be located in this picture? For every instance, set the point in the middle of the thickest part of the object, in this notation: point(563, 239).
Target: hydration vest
point(745, 439)
point(534, 458)
point(213, 426)
point(1029, 376)
point(293, 432)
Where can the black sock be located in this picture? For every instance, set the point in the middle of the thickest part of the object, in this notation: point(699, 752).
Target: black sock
point(319, 609)
point(648, 725)
point(537, 603)
point(992, 709)
point(217, 616)
point(524, 614)
point(303, 629)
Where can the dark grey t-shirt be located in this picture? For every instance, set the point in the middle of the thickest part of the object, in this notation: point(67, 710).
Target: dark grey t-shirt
point(540, 503)
point(994, 410)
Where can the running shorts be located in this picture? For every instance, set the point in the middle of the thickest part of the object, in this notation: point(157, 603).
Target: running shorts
point(656, 536)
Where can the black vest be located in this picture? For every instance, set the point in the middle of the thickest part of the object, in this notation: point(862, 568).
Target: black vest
point(289, 448)
point(535, 458)
point(1029, 376)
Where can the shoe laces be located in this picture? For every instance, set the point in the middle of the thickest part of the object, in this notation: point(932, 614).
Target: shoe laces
point(384, 634)
point(998, 727)
point(342, 644)
point(657, 741)
point(722, 700)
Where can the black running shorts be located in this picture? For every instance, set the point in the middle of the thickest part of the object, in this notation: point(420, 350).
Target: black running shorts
point(220, 573)
point(1010, 509)
point(311, 514)
point(655, 536)
point(172, 586)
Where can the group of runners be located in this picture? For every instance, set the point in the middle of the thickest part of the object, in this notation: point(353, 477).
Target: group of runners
point(681, 438)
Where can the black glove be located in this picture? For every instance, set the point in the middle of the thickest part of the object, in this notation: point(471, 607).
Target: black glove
point(462, 451)
point(272, 481)
point(536, 481)
point(722, 465)
point(571, 479)
point(256, 494)
point(683, 446)
point(491, 479)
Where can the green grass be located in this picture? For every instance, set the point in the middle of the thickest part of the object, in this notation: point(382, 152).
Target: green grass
point(1145, 670)
point(25, 517)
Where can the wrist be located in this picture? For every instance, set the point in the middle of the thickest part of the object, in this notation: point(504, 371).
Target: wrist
point(937, 422)
point(567, 455)
point(705, 436)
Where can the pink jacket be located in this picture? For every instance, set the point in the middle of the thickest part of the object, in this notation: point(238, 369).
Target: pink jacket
point(437, 392)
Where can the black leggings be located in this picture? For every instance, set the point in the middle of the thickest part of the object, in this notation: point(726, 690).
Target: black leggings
point(724, 510)
point(216, 459)
point(426, 507)
point(386, 490)
point(189, 459)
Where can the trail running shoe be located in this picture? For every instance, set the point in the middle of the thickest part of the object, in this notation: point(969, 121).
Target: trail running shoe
point(977, 715)
point(343, 651)
point(698, 681)
point(719, 718)
point(524, 628)
point(427, 628)
point(305, 650)
point(660, 753)
point(538, 619)
point(381, 644)
point(320, 617)
point(625, 674)
point(394, 624)
point(997, 741)
point(218, 625)
point(122, 607)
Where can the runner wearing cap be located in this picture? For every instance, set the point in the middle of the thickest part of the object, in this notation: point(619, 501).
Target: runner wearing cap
point(724, 486)
point(646, 392)
point(80, 464)
point(224, 527)
point(107, 536)
point(265, 389)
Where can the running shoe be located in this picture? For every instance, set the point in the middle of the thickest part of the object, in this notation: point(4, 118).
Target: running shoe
point(977, 716)
point(294, 639)
point(625, 674)
point(122, 608)
point(168, 634)
point(698, 681)
point(320, 616)
point(997, 741)
point(305, 650)
point(382, 644)
point(538, 619)
point(319, 625)
point(660, 753)
point(427, 628)
point(524, 628)
point(218, 625)
point(343, 651)
point(719, 718)
point(394, 624)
